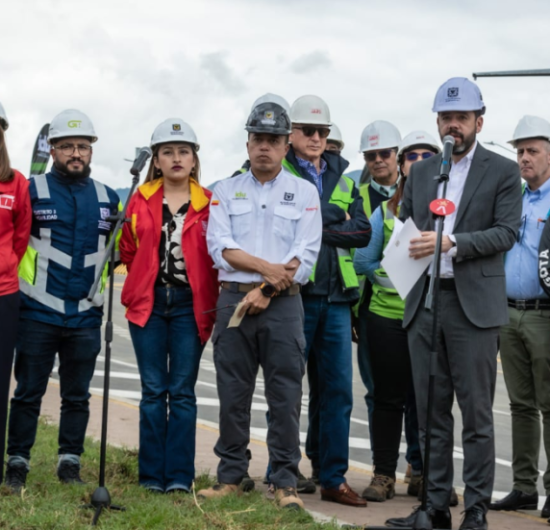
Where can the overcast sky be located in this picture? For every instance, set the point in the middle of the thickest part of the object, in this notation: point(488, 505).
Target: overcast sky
point(131, 64)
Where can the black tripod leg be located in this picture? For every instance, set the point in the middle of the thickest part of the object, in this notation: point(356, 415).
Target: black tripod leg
point(97, 513)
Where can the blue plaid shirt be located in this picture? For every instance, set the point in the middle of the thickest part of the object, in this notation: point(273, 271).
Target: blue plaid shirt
point(312, 172)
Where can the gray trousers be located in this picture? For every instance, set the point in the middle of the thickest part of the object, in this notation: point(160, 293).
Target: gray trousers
point(274, 340)
point(466, 365)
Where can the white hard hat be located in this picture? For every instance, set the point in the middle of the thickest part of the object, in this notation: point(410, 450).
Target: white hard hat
point(4, 123)
point(69, 123)
point(378, 135)
point(174, 130)
point(458, 94)
point(272, 98)
point(418, 138)
point(310, 110)
point(335, 136)
point(531, 127)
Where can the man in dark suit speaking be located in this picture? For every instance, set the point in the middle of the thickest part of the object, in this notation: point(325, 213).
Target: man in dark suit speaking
point(486, 190)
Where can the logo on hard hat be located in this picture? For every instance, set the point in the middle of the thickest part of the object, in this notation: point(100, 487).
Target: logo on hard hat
point(176, 127)
point(269, 118)
point(452, 92)
point(316, 111)
point(73, 124)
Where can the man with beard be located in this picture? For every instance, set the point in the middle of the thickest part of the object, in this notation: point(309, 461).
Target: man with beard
point(69, 234)
point(486, 190)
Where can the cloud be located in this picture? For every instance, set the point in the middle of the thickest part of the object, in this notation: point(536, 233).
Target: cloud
point(310, 62)
point(216, 65)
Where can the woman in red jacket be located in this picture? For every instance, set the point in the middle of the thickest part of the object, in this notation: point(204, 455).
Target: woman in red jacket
point(171, 282)
point(15, 228)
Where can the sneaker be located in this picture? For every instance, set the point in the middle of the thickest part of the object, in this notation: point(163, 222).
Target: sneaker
point(16, 476)
point(415, 482)
point(247, 483)
point(305, 485)
point(218, 490)
point(408, 475)
point(68, 472)
point(381, 488)
point(288, 498)
point(315, 472)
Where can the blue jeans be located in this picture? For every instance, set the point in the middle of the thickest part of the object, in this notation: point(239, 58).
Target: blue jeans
point(328, 335)
point(414, 455)
point(37, 344)
point(168, 352)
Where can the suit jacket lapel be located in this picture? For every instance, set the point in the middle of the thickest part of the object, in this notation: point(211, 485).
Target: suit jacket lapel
point(479, 166)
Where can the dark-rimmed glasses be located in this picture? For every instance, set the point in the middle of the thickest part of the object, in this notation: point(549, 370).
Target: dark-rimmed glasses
point(310, 131)
point(413, 157)
point(384, 155)
point(69, 149)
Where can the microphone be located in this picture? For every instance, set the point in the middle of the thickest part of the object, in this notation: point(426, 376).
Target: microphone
point(448, 144)
point(139, 163)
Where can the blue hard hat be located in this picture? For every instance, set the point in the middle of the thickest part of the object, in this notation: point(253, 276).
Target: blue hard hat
point(459, 94)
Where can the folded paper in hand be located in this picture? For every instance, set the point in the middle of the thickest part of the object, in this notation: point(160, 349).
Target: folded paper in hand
point(403, 270)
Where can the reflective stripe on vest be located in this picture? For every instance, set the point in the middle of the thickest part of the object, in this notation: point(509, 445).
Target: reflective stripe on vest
point(386, 301)
point(33, 270)
point(341, 197)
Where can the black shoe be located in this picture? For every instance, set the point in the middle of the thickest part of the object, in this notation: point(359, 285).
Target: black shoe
point(315, 471)
point(474, 519)
point(305, 485)
point(69, 472)
point(247, 483)
point(440, 519)
point(545, 513)
point(16, 476)
point(517, 500)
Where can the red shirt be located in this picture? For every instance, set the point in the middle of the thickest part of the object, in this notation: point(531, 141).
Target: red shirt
point(15, 229)
point(139, 246)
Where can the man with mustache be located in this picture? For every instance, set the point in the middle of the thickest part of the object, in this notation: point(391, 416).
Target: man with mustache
point(525, 341)
point(69, 233)
point(486, 189)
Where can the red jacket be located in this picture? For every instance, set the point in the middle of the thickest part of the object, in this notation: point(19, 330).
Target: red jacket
point(139, 246)
point(15, 229)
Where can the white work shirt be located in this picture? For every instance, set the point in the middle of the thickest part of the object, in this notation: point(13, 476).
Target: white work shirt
point(277, 221)
point(455, 188)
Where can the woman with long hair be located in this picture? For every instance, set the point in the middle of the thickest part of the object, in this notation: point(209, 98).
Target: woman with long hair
point(15, 228)
point(171, 282)
point(388, 347)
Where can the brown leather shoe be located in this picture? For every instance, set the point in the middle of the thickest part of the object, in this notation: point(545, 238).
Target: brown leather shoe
point(343, 495)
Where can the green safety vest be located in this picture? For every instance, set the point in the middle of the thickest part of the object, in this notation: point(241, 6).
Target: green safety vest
point(342, 197)
point(385, 300)
point(361, 278)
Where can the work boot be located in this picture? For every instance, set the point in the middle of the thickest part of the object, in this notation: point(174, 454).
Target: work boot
point(288, 498)
point(68, 469)
point(17, 469)
point(408, 474)
point(381, 488)
point(247, 483)
point(305, 485)
point(218, 490)
point(415, 482)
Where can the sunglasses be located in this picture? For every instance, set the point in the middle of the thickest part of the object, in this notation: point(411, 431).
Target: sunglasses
point(412, 157)
point(310, 131)
point(384, 155)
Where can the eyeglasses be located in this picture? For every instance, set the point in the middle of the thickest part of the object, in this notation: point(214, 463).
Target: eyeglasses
point(310, 131)
point(413, 157)
point(384, 155)
point(69, 149)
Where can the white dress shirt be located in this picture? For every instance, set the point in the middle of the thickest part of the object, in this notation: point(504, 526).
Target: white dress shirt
point(277, 221)
point(455, 188)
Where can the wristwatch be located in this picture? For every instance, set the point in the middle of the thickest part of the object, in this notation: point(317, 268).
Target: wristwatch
point(268, 290)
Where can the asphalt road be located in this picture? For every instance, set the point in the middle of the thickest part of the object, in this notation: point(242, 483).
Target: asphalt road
point(125, 384)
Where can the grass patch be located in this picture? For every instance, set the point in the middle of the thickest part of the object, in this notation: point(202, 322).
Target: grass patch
point(46, 504)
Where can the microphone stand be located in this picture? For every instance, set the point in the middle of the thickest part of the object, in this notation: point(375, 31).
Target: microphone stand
point(101, 498)
point(423, 520)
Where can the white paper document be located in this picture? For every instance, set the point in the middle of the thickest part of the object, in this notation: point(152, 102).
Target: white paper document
point(403, 270)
